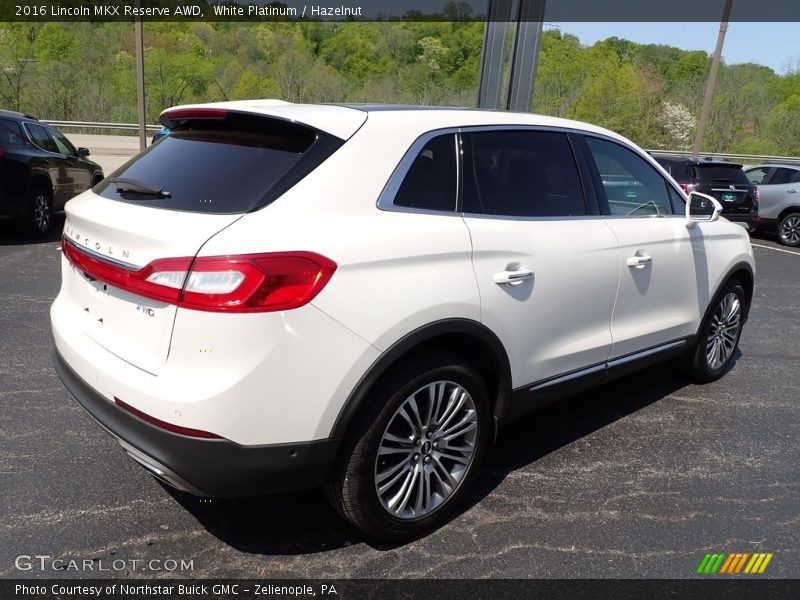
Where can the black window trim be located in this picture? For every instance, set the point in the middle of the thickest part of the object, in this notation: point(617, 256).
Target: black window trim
point(600, 189)
point(387, 196)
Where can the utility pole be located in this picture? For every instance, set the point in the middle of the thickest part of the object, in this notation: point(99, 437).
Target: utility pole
point(139, 34)
point(712, 80)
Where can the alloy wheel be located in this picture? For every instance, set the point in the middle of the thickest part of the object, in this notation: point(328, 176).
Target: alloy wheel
point(724, 331)
point(426, 450)
point(790, 230)
point(41, 213)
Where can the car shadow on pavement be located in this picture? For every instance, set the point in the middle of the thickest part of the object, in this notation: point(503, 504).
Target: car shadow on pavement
point(12, 235)
point(304, 523)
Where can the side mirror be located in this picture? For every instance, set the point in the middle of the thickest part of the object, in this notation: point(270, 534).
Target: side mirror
point(83, 152)
point(702, 207)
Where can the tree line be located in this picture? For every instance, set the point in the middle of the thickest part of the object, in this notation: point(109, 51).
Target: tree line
point(649, 93)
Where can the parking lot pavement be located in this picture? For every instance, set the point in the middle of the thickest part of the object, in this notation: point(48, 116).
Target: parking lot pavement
point(637, 479)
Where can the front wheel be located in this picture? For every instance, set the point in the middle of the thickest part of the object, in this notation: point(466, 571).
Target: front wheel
point(414, 450)
point(789, 230)
point(718, 337)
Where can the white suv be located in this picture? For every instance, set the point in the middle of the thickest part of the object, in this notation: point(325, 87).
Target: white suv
point(279, 296)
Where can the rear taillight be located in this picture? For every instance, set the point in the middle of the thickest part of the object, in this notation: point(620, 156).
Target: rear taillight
point(2, 153)
point(756, 198)
point(242, 283)
point(688, 188)
point(197, 433)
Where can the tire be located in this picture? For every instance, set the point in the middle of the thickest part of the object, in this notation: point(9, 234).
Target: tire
point(789, 230)
point(718, 337)
point(39, 219)
point(412, 498)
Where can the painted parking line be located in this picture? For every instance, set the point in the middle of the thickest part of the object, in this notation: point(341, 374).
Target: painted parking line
point(776, 249)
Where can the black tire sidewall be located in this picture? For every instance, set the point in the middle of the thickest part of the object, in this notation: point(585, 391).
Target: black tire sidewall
point(364, 444)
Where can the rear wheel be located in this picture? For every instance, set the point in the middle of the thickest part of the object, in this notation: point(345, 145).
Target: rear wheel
point(789, 230)
point(40, 207)
point(414, 450)
point(718, 337)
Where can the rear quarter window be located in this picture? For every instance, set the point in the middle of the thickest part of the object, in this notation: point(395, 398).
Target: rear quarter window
point(11, 133)
point(223, 166)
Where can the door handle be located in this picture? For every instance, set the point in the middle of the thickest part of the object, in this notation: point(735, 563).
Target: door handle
point(512, 277)
point(639, 261)
point(792, 191)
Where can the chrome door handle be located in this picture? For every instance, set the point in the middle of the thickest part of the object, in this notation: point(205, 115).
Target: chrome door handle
point(512, 277)
point(639, 262)
point(792, 191)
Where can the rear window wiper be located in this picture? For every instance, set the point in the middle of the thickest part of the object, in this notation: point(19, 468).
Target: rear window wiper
point(136, 187)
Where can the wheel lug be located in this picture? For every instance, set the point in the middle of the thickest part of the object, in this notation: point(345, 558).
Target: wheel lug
point(415, 458)
point(427, 459)
point(435, 444)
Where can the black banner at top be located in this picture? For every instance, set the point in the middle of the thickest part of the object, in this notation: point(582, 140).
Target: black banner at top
point(395, 10)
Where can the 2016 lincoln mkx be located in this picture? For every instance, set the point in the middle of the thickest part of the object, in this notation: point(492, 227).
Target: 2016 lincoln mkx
point(277, 296)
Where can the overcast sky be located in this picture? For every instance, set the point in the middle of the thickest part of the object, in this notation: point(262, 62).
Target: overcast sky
point(776, 45)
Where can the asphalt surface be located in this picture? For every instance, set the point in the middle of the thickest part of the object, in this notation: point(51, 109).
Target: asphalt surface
point(637, 479)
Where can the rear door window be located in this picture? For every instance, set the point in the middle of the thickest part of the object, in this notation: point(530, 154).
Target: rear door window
point(226, 166)
point(522, 174)
point(782, 176)
point(40, 138)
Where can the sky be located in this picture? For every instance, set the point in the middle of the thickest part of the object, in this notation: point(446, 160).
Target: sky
point(776, 45)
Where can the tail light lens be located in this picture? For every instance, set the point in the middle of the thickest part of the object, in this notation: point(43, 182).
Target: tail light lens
point(688, 188)
point(756, 198)
point(2, 153)
point(242, 283)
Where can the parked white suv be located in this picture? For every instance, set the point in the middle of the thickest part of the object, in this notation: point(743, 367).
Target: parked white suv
point(281, 296)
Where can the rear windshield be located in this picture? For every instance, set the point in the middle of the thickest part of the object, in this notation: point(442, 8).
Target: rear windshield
point(720, 174)
point(10, 133)
point(224, 166)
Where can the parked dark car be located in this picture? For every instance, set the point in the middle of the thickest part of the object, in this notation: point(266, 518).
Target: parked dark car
point(725, 181)
point(39, 171)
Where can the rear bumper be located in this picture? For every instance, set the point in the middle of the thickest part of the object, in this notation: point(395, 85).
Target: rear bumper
point(749, 222)
point(205, 467)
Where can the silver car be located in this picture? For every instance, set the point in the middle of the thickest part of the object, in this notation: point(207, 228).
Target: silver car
point(779, 209)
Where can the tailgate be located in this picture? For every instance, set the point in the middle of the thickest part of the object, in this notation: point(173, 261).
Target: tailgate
point(134, 328)
point(163, 205)
point(728, 184)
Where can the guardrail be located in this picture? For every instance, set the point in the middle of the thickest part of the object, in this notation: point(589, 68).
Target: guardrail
point(744, 158)
point(98, 125)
